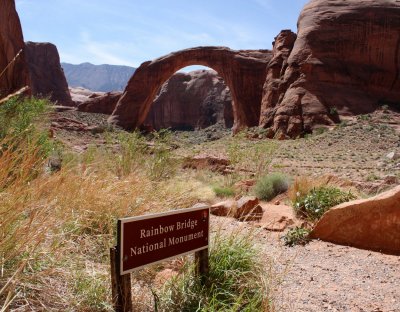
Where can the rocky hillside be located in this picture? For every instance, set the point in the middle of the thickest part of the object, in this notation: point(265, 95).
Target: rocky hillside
point(98, 77)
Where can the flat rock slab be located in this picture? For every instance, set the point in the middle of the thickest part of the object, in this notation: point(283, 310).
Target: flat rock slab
point(277, 217)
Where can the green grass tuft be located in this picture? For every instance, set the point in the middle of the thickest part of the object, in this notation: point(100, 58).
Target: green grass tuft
point(236, 280)
point(271, 185)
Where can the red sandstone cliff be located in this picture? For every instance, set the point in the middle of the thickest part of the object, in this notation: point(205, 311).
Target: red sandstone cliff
point(11, 42)
point(191, 100)
point(345, 61)
point(186, 101)
point(47, 76)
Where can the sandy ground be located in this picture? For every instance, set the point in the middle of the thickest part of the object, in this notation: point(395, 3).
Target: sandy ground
point(322, 276)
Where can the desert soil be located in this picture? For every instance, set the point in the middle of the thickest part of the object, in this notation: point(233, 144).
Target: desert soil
point(322, 276)
point(319, 276)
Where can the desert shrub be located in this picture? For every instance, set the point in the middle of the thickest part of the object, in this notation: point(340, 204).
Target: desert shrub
point(271, 185)
point(297, 236)
point(236, 280)
point(223, 191)
point(160, 163)
point(24, 146)
point(302, 185)
point(313, 205)
point(19, 116)
point(132, 152)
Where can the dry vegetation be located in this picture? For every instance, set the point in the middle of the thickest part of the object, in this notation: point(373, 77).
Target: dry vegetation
point(57, 225)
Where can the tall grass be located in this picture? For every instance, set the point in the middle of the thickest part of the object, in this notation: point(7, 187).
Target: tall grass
point(237, 280)
point(56, 227)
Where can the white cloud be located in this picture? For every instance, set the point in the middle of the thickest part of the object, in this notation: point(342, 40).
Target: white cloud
point(103, 52)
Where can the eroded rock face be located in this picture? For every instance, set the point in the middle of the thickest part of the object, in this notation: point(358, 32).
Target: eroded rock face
point(11, 43)
point(372, 223)
point(46, 74)
point(94, 102)
point(344, 61)
point(191, 100)
point(242, 71)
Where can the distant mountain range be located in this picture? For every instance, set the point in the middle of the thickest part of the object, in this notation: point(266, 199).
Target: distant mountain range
point(98, 77)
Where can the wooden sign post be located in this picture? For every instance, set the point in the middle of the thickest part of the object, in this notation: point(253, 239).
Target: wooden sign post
point(154, 238)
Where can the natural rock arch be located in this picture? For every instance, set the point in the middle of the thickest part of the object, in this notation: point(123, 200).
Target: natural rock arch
point(243, 71)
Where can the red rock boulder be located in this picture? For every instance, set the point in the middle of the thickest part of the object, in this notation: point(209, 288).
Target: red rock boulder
point(94, 102)
point(372, 223)
point(248, 209)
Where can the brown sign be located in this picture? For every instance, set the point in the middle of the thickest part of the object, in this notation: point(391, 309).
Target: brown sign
point(152, 238)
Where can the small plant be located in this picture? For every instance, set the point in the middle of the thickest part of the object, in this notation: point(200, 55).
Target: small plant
point(333, 111)
point(236, 280)
point(372, 177)
point(271, 185)
point(297, 236)
point(161, 164)
point(319, 130)
point(365, 117)
point(313, 205)
point(224, 191)
point(385, 108)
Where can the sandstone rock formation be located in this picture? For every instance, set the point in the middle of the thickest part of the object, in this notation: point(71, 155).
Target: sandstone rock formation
point(242, 71)
point(345, 61)
point(46, 74)
point(16, 75)
point(186, 101)
point(191, 100)
point(277, 218)
point(94, 102)
point(248, 209)
point(372, 223)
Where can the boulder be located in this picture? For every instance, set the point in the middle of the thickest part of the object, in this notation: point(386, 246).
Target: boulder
point(248, 209)
point(372, 223)
point(192, 100)
point(100, 103)
point(213, 163)
point(277, 218)
point(94, 102)
point(223, 209)
point(344, 61)
point(16, 75)
point(46, 75)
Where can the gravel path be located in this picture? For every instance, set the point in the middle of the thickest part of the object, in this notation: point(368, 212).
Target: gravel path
point(327, 277)
point(323, 276)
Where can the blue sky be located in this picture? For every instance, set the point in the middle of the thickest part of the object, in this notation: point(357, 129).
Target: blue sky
point(129, 32)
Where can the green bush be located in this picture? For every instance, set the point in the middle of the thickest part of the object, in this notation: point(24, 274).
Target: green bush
point(19, 116)
point(236, 280)
point(271, 185)
point(223, 191)
point(297, 236)
point(24, 140)
point(313, 205)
